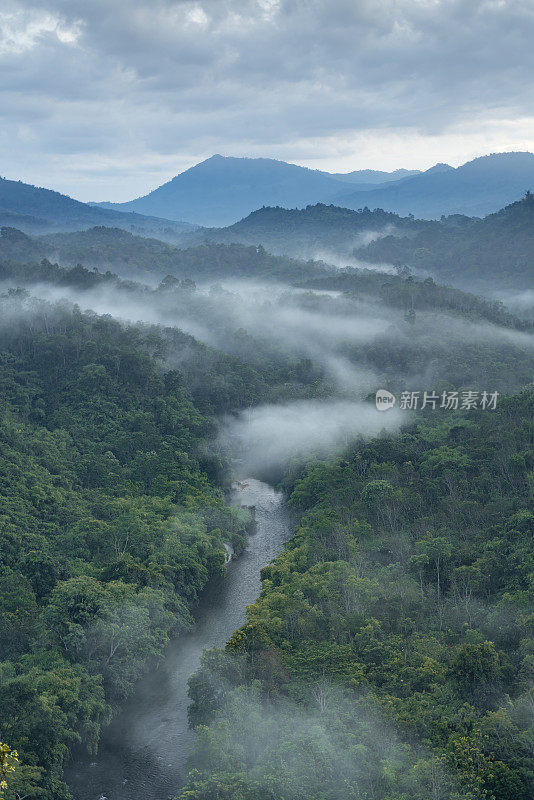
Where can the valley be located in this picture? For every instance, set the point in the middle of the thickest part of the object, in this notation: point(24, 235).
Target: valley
point(371, 634)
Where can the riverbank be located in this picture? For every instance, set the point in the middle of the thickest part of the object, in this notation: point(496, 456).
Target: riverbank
point(143, 751)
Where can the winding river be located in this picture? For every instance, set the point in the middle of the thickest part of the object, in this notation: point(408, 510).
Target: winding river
point(143, 750)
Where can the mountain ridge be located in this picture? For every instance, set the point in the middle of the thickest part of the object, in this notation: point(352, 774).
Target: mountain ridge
point(477, 188)
point(221, 190)
point(473, 253)
point(148, 259)
point(39, 210)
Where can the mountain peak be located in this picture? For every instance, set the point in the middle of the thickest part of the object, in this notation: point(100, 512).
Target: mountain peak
point(223, 189)
point(441, 167)
point(514, 159)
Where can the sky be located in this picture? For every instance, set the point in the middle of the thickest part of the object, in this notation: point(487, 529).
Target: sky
point(106, 99)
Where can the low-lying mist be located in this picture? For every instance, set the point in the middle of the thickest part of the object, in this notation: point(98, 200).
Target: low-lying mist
point(250, 320)
point(341, 261)
point(267, 438)
point(317, 324)
point(329, 746)
point(356, 344)
point(520, 303)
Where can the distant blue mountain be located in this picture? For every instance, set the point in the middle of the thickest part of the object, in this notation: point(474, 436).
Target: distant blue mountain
point(477, 188)
point(373, 177)
point(36, 210)
point(220, 190)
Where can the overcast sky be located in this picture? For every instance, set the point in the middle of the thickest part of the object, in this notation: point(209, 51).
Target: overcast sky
point(106, 99)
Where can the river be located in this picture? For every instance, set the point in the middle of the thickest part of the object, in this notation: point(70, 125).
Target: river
point(142, 752)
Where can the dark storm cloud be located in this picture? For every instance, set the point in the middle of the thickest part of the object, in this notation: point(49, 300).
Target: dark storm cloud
point(139, 89)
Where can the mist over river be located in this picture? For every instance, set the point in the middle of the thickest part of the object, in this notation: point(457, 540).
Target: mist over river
point(142, 753)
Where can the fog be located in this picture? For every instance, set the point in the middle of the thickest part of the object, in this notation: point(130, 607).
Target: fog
point(314, 323)
point(334, 250)
point(519, 303)
point(123, 305)
point(448, 328)
point(284, 322)
point(329, 744)
point(269, 437)
point(342, 260)
point(357, 346)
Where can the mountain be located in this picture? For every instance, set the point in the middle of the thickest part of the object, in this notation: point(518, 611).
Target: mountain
point(477, 188)
point(143, 258)
point(480, 254)
point(373, 176)
point(474, 253)
point(219, 191)
point(37, 210)
point(471, 252)
point(319, 231)
point(441, 167)
point(222, 190)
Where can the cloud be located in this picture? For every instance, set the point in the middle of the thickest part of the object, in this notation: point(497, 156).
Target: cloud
point(112, 98)
point(22, 30)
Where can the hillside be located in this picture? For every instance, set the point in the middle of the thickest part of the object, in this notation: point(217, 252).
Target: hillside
point(388, 655)
point(37, 210)
point(477, 188)
point(317, 231)
point(467, 251)
point(495, 251)
point(111, 526)
point(141, 258)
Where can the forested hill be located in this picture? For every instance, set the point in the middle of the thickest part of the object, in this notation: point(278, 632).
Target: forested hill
point(389, 655)
point(472, 253)
point(110, 528)
point(399, 291)
point(113, 518)
point(480, 253)
point(407, 578)
point(314, 230)
point(143, 258)
point(428, 330)
point(414, 294)
point(39, 210)
point(496, 251)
